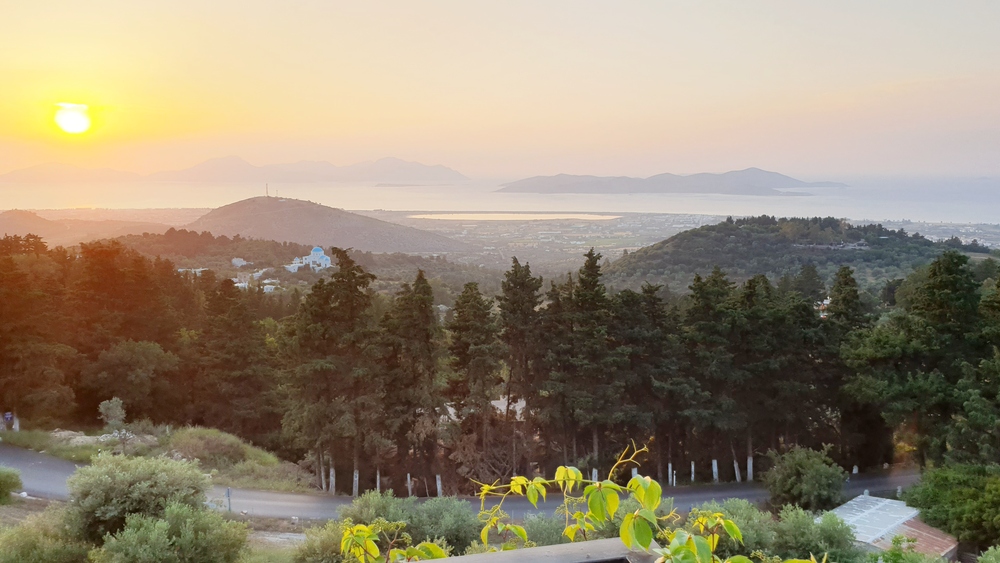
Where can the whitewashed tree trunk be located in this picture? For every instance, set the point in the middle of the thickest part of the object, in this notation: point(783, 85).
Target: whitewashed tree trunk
point(354, 490)
point(378, 479)
point(409, 485)
point(671, 480)
point(715, 471)
point(440, 492)
point(749, 468)
point(692, 472)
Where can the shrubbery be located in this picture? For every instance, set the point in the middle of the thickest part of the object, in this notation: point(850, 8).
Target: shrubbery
point(10, 482)
point(991, 555)
point(804, 477)
point(963, 500)
point(795, 533)
point(42, 538)
point(113, 487)
point(322, 545)
point(449, 518)
point(183, 535)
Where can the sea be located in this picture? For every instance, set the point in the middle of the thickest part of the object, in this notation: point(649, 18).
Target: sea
point(948, 200)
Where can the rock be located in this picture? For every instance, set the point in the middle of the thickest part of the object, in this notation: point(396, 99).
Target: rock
point(66, 434)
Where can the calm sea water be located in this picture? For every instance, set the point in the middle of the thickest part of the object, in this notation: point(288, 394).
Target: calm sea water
point(967, 201)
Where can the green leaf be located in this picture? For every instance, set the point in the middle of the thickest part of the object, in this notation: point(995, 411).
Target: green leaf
point(739, 559)
point(648, 515)
point(533, 495)
point(598, 506)
point(570, 531)
point(702, 550)
point(733, 530)
point(627, 530)
point(643, 533)
point(611, 500)
point(653, 495)
point(485, 534)
point(519, 532)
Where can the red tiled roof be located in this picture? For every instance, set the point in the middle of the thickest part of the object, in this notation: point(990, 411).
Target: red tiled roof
point(930, 541)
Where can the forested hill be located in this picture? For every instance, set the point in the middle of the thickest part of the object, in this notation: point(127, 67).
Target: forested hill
point(777, 247)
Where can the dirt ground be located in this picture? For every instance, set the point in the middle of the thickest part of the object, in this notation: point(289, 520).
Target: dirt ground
point(19, 509)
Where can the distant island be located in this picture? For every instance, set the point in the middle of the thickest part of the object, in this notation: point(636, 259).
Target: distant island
point(233, 169)
point(752, 181)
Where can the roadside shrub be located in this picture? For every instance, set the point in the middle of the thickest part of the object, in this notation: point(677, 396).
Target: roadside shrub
point(185, 534)
point(448, 518)
point(756, 525)
point(10, 482)
point(963, 500)
point(113, 487)
point(546, 530)
point(804, 477)
point(371, 505)
point(322, 545)
point(284, 476)
point(215, 449)
point(41, 538)
point(798, 535)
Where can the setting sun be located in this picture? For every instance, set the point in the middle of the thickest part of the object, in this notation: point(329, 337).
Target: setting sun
point(72, 118)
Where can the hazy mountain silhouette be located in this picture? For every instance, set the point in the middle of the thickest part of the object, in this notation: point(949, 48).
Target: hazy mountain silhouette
point(752, 181)
point(66, 232)
point(233, 169)
point(304, 222)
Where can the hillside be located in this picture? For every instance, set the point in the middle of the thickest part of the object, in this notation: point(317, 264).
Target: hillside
point(774, 247)
point(67, 232)
point(752, 181)
point(190, 249)
point(304, 222)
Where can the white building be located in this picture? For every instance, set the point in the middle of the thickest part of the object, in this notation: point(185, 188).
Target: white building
point(239, 262)
point(316, 260)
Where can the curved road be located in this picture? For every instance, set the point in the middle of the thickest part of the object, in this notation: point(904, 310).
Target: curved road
point(45, 476)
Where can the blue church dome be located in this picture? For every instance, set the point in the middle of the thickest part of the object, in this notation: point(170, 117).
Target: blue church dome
point(317, 250)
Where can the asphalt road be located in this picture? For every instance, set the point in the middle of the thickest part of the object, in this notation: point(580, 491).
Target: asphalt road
point(45, 476)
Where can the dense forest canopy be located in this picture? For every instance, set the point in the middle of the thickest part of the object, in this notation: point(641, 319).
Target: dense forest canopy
point(775, 247)
point(532, 375)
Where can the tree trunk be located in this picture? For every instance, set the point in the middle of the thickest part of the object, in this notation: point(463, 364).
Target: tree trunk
point(736, 462)
point(332, 481)
point(319, 468)
point(749, 456)
point(597, 453)
point(357, 460)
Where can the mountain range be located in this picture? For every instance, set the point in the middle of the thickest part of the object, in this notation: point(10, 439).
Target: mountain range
point(233, 169)
point(752, 181)
point(67, 232)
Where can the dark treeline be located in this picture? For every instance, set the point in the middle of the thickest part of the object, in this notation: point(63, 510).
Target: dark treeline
point(542, 374)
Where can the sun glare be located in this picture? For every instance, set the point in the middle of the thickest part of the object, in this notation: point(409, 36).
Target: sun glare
point(72, 118)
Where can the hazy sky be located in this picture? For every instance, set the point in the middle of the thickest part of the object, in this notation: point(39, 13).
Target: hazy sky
point(511, 88)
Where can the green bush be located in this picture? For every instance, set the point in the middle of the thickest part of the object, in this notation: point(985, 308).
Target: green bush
point(215, 449)
point(322, 545)
point(991, 555)
point(42, 538)
point(449, 518)
point(373, 504)
point(963, 500)
point(112, 413)
point(756, 525)
point(902, 551)
point(545, 530)
point(804, 477)
point(285, 476)
point(185, 534)
point(10, 482)
point(103, 494)
point(798, 535)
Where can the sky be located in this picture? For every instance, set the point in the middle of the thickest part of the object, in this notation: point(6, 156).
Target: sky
point(509, 89)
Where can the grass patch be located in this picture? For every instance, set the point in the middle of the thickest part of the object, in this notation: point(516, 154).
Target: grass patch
point(14, 513)
point(42, 441)
point(268, 554)
point(231, 461)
